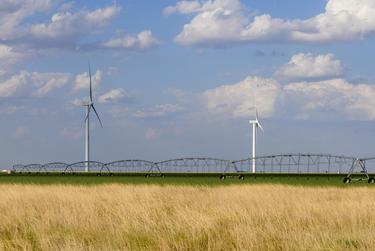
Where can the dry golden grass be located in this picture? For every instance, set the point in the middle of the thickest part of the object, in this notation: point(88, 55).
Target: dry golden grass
point(151, 217)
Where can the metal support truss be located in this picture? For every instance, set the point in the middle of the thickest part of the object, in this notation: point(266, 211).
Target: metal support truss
point(284, 163)
point(131, 166)
point(95, 166)
point(18, 168)
point(296, 163)
point(30, 168)
point(358, 171)
point(196, 165)
point(55, 167)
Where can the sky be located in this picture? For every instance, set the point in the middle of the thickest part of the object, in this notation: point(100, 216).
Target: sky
point(183, 78)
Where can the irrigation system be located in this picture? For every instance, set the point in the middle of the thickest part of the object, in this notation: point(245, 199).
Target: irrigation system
point(349, 167)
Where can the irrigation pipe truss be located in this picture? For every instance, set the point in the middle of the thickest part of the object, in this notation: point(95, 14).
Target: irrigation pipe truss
point(283, 163)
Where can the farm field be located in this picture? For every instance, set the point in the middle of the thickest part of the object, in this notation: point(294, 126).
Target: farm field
point(186, 217)
point(187, 179)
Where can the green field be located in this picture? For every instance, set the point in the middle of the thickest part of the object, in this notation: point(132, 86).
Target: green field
point(184, 179)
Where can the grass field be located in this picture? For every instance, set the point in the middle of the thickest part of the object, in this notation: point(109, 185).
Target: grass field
point(186, 217)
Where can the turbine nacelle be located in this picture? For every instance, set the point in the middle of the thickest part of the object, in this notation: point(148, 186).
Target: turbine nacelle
point(90, 103)
point(257, 124)
point(256, 121)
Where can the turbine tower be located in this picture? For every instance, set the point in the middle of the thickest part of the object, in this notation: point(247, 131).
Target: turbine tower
point(89, 105)
point(255, 124)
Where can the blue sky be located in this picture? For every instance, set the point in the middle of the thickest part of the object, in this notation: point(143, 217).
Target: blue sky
point(182, 78)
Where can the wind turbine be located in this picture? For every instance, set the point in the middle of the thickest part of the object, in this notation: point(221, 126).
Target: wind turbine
point(255, 124)
point(89, 105)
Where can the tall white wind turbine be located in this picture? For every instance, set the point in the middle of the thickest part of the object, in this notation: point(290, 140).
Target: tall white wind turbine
point(255, 124)
point(89, 105)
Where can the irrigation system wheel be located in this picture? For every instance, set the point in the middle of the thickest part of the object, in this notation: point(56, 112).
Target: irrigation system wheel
point(347, 180)
point(371, 180)
point(222, 177)
point(241, 177)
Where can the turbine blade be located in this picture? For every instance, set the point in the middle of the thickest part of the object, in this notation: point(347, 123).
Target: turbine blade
point(260, 126)
point(97, 115)
point(257, 120)
point(88, 114)
point(90, 82)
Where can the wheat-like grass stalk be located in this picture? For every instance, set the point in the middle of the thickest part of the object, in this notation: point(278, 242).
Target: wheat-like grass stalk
point(152, 217)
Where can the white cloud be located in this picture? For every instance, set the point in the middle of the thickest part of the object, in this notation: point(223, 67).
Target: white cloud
point(336, 97)
point(216, 23)
point(66, 28)
point(307, 65)
point(8, 57)
point(342, 20)
point(13, 85)
point(332, 98)
point(67, 24)
point(113, 95)
point(183, 7)
point(32, 83)
point(226, 22)
point(240, 99)
point(14, 12)
point(143, 41)
point(47, 82)
point(82, 81)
